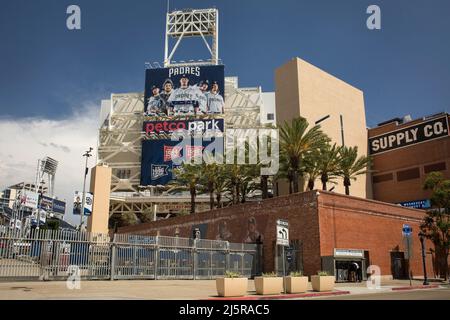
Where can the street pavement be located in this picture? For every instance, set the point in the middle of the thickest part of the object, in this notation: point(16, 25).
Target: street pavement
point(189, 290)
point(429, 294)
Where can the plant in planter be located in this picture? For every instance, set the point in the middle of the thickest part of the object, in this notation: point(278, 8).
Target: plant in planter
point(269, 283)
point(322, 281)
point(296, 282)
point(232, 285)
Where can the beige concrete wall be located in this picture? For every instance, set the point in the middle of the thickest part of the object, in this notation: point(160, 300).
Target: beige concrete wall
point(305, 90)
point(287, 92)
point(100, 186)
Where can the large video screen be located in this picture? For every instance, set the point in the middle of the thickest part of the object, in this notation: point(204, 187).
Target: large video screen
point(184, 90)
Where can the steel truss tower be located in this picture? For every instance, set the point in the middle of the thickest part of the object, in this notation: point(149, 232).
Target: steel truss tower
point(181, 24)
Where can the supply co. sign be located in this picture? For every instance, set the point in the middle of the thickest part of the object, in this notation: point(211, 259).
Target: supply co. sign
point(425, 131)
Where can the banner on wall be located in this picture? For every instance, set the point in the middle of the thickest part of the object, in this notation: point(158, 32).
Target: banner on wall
point(77, 203)
point(157, 165)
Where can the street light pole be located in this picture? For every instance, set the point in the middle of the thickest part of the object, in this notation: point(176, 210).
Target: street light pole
point(87, 154)
point(422, 242)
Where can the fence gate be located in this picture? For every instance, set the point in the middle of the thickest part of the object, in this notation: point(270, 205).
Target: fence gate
point(53, 255)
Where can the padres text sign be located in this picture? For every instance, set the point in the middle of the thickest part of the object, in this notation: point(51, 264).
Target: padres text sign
point(424, 131)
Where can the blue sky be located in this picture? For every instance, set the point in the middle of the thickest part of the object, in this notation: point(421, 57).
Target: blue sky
point(48, 71)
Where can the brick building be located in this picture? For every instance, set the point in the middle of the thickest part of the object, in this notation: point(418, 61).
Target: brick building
point(327, 232)
point(403, 153)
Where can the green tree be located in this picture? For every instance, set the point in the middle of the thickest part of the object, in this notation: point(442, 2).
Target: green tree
point(188, 178)
point(250, 176)
point(51, 224)
point(209, 180)
point(436, 224)
point(221, 184)
point(146, 215)
point(312, 167)
point(128, 219)
point(328, 164)
point(296, 141)
point(351, 166)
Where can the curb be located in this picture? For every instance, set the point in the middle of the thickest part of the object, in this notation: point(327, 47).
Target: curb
point(286, 296)
point(430, 286)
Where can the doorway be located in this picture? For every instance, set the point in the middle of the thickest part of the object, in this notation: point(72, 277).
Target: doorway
point(349, 270)
point(398, 265)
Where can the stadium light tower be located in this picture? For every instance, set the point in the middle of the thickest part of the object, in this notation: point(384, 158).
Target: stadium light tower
point(192, 23)
point(46, 167)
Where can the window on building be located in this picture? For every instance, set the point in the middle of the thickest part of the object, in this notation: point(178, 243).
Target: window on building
point(441, 166)
point(383, 178)
point(409, 174)
point(270, 116)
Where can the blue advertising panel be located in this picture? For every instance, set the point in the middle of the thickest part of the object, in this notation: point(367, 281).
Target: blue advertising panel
point(157, 167)
point(52, 205)
point(417, 204)
point(78, 202)
point(184, 90)
point(59, 206)
point(46, 203)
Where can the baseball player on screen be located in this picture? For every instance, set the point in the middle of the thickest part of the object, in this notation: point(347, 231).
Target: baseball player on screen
point(184, 99)
point(215, 100)
point(202, 93)
point(168, 89)
point(154, 102)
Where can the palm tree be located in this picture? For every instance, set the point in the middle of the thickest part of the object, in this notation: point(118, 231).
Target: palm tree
point(188, 178)
point(312, 168)
point(249, 177)
point(350, 166)
point(208, 180)
point(328, 164)
point(284, 172)
point(221, 184)
point(296, 142)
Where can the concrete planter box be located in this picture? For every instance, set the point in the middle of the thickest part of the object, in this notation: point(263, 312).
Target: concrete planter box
point(231, 287)
point(268, 285)
point(322, 283)
point(296, 284)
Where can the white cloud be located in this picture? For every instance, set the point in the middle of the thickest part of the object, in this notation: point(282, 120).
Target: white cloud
point(24, 141)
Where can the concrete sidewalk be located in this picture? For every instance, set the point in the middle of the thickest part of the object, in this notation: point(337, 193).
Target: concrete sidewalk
point(151, 289)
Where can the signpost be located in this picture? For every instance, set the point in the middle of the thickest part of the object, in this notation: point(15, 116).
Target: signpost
point(407, 235)
point(283, 233)
point(283, 241)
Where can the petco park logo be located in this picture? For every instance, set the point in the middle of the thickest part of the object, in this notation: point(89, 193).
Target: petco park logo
point(195, 126)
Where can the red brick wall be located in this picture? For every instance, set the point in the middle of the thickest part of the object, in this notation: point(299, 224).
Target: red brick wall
point(345, 222)
point(300, 209)
point(354, 223)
